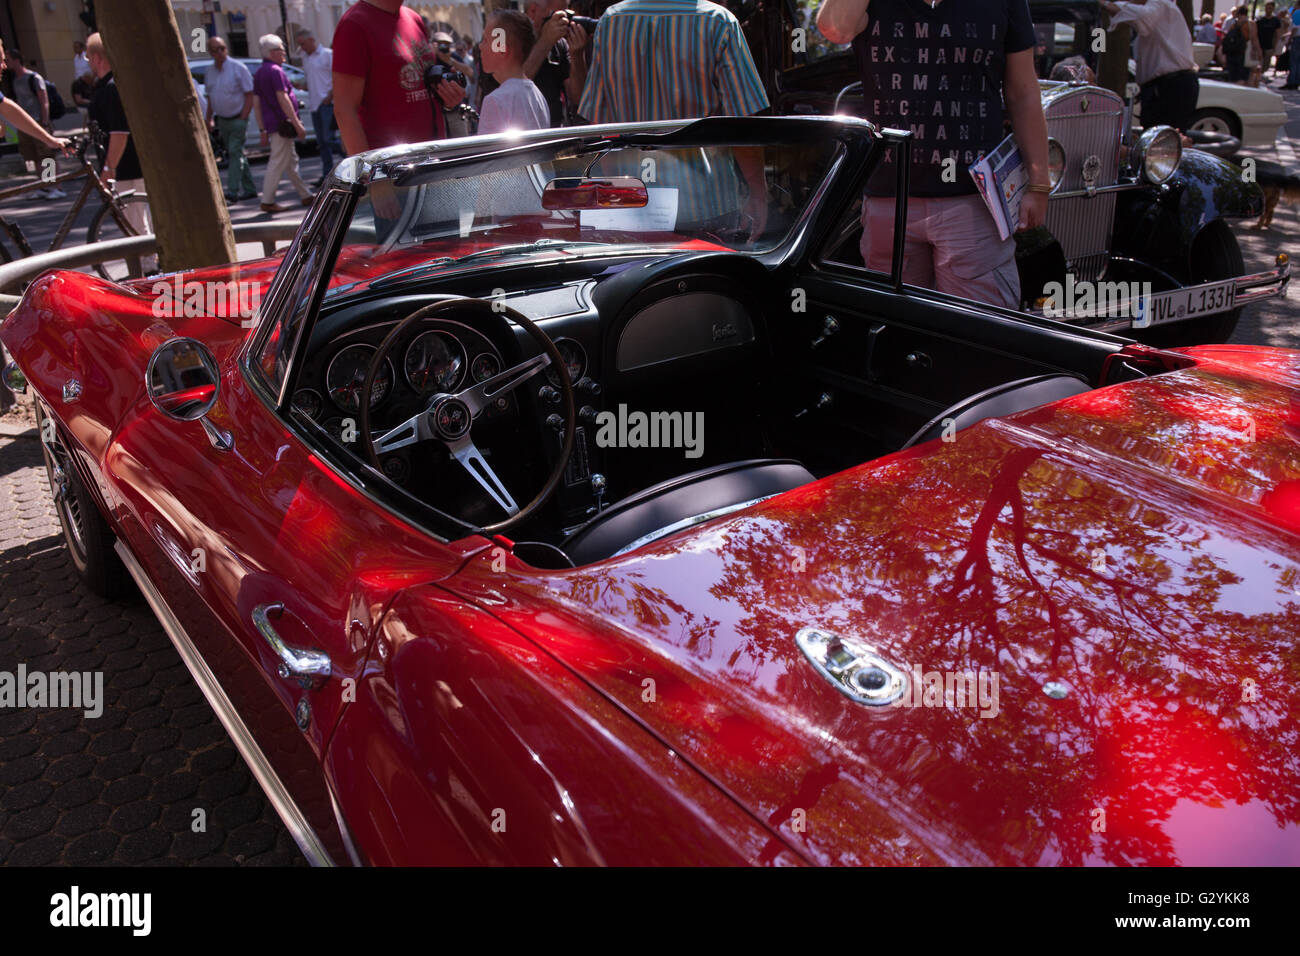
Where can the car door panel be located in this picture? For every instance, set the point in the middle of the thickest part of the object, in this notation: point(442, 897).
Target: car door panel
point(893, 362)
point(265, 525)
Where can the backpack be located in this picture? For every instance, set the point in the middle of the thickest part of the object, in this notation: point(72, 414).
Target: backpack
point(1234, 41)
point(57, 108)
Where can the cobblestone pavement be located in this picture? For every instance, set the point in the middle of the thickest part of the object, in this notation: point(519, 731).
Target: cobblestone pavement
point(121, 788)
point(1273, 322)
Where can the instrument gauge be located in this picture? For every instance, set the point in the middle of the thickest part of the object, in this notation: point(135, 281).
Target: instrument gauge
point(347, 374)
point(484, 367)
point(308, 402)
point(575, 360)
point(435, 362)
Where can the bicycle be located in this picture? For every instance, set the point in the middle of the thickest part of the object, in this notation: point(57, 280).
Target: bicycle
point(109, 222)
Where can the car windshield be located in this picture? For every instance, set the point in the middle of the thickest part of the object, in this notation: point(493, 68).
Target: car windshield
point(744, 198)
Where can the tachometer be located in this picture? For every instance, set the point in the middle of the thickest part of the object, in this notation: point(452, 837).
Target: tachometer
point(435, 362)
point(347, 374)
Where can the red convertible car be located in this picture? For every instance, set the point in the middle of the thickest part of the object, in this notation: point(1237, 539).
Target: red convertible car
point(574, 498)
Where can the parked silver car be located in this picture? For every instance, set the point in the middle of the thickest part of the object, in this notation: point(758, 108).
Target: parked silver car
point(253, 142)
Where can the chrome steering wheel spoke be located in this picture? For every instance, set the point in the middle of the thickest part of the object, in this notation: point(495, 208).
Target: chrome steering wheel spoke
point(472, 460)
point(480, 396)
point(414, 429)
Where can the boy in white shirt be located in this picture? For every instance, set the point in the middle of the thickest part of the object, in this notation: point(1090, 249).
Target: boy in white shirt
point(517, 104)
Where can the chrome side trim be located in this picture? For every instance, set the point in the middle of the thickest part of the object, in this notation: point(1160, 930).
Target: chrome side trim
point(687, 523)
point(348, 843)
point(301, 831)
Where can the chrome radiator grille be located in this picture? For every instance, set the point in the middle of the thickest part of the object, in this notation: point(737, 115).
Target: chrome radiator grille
point(1087, 123)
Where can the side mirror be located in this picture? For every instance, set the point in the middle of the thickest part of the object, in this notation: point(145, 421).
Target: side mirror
point(581, 192)
point(182, 381)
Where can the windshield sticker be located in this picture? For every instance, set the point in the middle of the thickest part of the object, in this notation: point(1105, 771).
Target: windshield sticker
point(658, 215)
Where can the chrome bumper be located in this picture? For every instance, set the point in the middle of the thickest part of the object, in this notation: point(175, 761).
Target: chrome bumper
point(1119, 317)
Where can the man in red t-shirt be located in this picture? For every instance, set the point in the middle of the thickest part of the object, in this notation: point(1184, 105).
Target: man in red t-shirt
point(380, 54)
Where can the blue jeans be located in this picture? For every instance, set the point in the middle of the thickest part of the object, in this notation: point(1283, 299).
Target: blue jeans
point(322, 122)
point(1293, 78)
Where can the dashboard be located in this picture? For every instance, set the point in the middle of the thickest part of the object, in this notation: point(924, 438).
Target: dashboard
point(623, 333)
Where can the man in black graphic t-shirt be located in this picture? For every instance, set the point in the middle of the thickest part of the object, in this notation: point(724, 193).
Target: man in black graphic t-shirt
point(944, 70)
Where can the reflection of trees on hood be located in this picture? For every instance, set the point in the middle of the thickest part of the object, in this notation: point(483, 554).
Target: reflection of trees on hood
point(1154, 602)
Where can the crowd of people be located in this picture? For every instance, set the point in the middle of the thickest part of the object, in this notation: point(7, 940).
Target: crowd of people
point(1248, 47)
point(389, 77)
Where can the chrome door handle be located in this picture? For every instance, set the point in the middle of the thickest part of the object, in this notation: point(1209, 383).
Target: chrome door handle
point(309, 668)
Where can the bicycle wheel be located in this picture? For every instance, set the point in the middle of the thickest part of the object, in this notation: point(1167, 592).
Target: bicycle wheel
point(105, 227)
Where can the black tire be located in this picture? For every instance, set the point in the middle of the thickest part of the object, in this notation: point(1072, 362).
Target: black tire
point(104, 226)
point(1215, 255)
point(87, 535)
point(1217, 120)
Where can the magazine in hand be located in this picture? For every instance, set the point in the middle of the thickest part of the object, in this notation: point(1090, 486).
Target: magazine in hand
point(1001, 179)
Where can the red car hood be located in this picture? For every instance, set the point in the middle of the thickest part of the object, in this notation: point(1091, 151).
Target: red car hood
point(1126, 563)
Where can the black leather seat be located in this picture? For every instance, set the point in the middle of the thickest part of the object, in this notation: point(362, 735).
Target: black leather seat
point(675, 502)
point(1006, 399)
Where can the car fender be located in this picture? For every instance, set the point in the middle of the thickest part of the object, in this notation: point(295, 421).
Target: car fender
point(467, 743)
point(84, 343)
point(1164, 222)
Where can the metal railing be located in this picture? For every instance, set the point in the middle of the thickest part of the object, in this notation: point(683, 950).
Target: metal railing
point(14, 276)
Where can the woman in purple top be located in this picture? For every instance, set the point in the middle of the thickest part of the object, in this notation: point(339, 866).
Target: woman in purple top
point(275, 96)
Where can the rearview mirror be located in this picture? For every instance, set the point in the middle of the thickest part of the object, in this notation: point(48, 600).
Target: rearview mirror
point(182, 379)
point(581, 192)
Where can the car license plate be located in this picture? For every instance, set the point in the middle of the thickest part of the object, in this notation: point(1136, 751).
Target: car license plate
point(1186, 303)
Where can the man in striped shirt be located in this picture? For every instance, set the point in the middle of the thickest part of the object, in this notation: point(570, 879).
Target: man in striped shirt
point(680, 59)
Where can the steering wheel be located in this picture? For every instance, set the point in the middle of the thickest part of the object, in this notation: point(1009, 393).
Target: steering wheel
point(448, 417)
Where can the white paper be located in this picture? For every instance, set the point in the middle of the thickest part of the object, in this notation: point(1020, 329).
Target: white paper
point(658, 215)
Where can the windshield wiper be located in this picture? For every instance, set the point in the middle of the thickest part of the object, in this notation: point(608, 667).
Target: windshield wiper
point(524, 247)
point(496, 252)
point(412, 271)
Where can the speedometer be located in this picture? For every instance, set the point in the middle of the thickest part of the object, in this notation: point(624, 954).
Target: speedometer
point(347, 374)
point(435, 362)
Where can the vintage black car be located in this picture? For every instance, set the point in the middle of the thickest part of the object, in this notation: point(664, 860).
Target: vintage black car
point(1174, 203)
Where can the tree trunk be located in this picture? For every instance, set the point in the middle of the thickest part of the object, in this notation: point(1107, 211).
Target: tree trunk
point(1188, 15)
point(180, 173)
point(1112, 69)
point(1207, 7)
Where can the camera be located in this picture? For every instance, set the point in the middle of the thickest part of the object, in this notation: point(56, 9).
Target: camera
point(437, 71)
point(587, 23)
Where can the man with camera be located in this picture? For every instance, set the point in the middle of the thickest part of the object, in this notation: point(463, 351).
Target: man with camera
point(558, 61)
point(450, 67)
point(381, 58)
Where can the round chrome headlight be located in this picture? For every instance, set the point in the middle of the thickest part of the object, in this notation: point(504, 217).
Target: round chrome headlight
point(1055, 162)
point(1158, 153)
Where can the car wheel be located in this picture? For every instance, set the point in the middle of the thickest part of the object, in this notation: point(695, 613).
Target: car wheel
point(1217, 121)
point(1215, 255)
point(85, 532)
